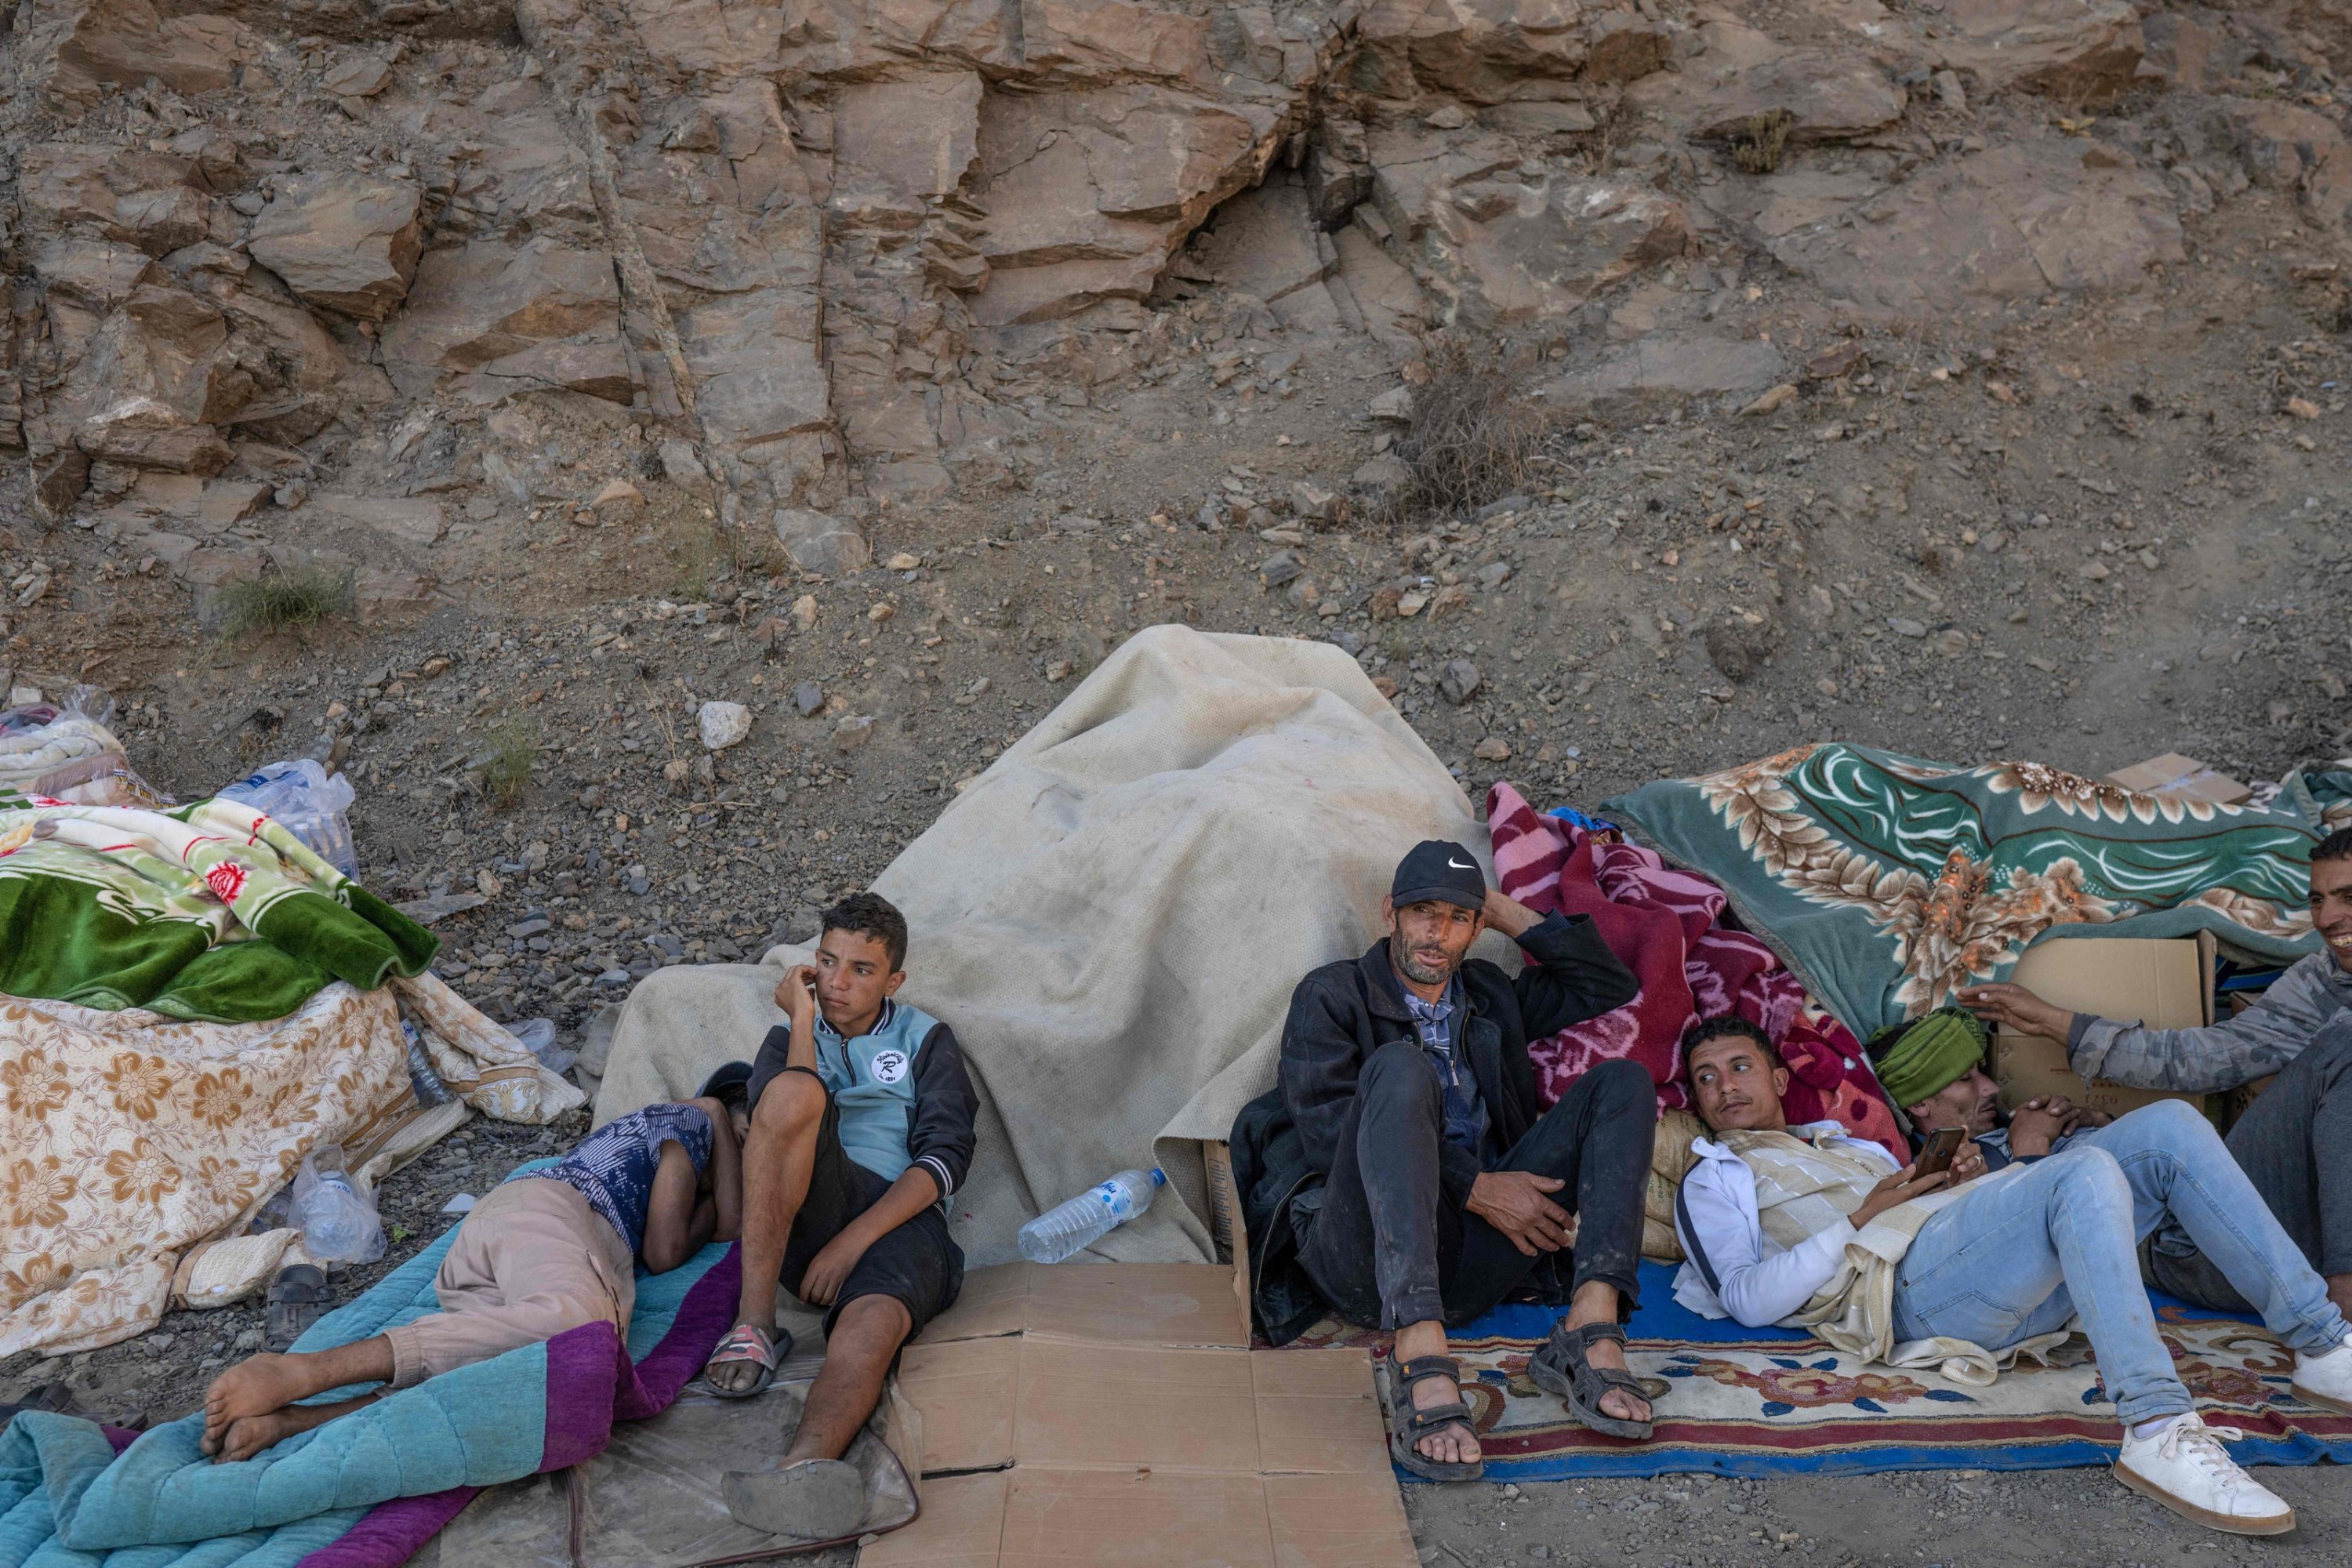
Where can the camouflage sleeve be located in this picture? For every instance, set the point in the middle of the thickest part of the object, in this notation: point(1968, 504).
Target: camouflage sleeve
point(2255, 1044)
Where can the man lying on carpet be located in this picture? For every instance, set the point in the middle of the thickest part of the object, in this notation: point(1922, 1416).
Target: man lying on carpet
point(547, 1250)
point(1808, 1228)
point(1933, 1067)
point(2295, 1140)
point(1405, 1166)
point(861, 1130)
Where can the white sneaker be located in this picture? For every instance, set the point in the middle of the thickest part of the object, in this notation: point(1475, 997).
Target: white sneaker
point(2326, 1379)
point(2185, 1467)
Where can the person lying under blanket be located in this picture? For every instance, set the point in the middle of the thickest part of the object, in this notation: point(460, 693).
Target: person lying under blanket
point(862, 1128)
point(2295, 1140)
point(1808, 1228)
point(545, 1251)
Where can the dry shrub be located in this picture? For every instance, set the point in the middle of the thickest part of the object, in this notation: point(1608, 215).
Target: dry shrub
point(1474, 438)
point(1758, 146)
point(504, 762)
point(283, 601)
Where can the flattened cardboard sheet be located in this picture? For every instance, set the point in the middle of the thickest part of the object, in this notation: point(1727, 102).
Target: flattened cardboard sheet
point(1112, 1413)
point(1127, 1303)
point(2166, 983)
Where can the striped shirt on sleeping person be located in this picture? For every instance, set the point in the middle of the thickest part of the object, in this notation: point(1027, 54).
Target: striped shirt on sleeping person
point(1957, 1273)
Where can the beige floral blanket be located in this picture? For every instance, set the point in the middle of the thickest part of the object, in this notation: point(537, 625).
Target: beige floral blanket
point(127, 1137)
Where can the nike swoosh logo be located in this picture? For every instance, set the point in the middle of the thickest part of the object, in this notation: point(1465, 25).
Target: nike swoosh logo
point(1458, 865)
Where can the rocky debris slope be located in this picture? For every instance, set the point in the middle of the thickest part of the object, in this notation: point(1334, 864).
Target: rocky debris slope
point(364, 282)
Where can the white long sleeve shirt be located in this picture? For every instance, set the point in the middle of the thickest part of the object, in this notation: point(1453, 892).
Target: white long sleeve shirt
point(1756, 1280)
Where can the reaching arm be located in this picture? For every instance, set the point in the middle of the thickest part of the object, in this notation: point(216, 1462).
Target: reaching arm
point(2256, 1043)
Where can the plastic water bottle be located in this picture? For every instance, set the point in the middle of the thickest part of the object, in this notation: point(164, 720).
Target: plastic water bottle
point(430, 1089)
point(1094, 1214)
point(338, 1224)
point(308, 802)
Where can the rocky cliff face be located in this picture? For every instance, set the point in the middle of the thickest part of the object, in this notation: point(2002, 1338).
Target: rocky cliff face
point(822, 257)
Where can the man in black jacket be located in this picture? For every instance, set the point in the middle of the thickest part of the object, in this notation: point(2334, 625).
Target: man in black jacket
point(1404, 1175)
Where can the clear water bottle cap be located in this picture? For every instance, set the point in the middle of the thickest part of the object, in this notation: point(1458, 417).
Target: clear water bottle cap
point(1159, 1177)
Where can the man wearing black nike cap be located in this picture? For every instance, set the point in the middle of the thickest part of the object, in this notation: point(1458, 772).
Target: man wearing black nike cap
point(1405, 1175)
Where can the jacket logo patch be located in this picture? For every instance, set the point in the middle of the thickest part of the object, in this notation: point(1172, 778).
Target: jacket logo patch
point(889, 1067)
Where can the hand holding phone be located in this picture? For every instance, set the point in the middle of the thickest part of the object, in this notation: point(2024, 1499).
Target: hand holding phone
point(1936, 1154)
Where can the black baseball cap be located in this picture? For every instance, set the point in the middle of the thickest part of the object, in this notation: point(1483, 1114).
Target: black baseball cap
point(730, 1085)
point(1438, 870)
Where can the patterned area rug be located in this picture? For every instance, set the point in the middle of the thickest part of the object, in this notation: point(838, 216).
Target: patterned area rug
point(1756, 1402)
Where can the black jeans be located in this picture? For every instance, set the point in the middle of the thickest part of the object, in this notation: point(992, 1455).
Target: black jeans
point(1386, 1248)
point(2295, 1144)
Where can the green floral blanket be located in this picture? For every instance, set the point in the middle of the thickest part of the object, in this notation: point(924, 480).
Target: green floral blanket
point(1889, 882)
point(211, 912)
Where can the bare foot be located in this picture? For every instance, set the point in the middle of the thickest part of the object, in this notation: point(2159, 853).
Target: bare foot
point(1618, 1402)
point(255, 1386)
point(249, 1434)
point(1451, 1444)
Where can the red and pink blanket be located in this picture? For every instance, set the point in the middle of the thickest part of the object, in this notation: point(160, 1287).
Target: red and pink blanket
point(1672, 929)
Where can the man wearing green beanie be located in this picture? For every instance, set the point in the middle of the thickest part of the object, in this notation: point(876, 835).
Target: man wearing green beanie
point(1933, 1067)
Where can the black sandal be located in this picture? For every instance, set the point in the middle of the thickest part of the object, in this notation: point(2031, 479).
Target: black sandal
point(298, 1298)
point(1561, 1367)
point(1408, 1426)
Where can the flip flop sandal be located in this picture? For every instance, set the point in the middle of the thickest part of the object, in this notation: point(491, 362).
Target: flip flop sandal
point(1562, 1367)
point(816, 1500)
point(748, 1341)
point(1408, 1426)
point(298, 1298)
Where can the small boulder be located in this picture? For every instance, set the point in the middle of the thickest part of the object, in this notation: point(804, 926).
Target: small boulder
point(361, 75)
point(820, 542)
point(1317, 505)
point(1459, 680)
point(724, 724)
point(615, 500)
point(680, 466)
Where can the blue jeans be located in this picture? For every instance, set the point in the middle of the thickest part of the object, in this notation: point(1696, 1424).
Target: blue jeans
point(2061, 1238)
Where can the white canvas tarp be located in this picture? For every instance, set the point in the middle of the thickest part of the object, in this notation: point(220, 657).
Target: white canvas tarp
point(1113, 916)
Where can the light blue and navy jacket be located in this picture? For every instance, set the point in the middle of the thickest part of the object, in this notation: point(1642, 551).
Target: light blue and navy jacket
point(903, 1094)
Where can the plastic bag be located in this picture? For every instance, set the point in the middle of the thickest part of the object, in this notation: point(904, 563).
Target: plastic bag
point(310, 802)
point(537, 1036)
point(105, 779)
point(338, 1221)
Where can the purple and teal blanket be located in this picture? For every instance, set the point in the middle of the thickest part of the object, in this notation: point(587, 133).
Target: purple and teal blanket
point(366, 1490)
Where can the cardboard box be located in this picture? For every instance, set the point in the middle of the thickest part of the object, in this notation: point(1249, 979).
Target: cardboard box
point(1115, 1413)
point(2166, 983)
point(2173, 774)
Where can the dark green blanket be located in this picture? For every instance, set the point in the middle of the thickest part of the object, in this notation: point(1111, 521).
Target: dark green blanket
point(1889, 882)
point(210, 911)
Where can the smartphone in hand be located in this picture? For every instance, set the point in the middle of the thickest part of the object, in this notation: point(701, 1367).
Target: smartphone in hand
point(1936, 1154)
